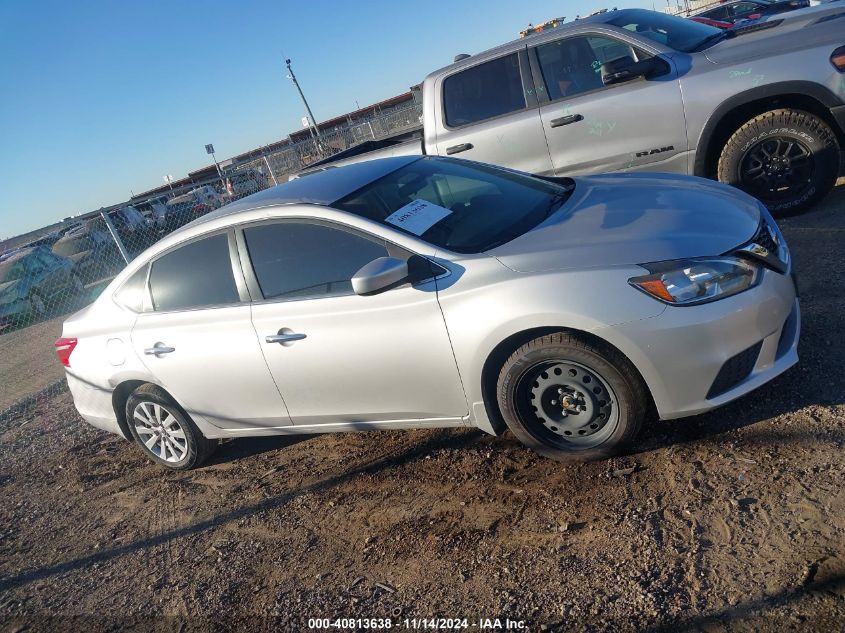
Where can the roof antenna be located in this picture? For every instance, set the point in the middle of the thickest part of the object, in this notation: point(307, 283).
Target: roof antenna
point(461, 56)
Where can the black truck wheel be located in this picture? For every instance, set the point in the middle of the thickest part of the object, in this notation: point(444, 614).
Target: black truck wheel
point(788, 159)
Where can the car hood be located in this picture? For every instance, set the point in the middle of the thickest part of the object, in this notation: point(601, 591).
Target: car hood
point(9, 291)
point(793, 31)
point(625, 219)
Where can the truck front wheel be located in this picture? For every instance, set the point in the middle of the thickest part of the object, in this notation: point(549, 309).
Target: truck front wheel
point(788, 159)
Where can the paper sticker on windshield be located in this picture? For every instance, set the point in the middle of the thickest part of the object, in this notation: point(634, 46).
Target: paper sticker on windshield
point(418, 216)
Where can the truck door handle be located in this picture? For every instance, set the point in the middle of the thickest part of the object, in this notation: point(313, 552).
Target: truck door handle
point(158, 349)
point(284, 338)
point(566, 120)
point(456, 149)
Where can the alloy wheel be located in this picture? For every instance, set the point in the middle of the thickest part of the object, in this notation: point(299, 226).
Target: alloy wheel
point(160, 432)
point(775, 165)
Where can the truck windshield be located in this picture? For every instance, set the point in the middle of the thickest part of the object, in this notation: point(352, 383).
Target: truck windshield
point(461, 206)
point(679, 33)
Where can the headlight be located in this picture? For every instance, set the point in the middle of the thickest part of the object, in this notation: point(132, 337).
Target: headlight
point(694, 281)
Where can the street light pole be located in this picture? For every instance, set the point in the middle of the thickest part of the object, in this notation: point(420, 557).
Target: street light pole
point(311, 119)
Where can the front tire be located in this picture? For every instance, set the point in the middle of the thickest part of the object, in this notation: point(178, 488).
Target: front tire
point(788, 159)
point(165, 433)
point(570, 399)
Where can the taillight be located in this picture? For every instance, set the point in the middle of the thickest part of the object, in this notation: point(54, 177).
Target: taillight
point(838, 59)
point(64, 348)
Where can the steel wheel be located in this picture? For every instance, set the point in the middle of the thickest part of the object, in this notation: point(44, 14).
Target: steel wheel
point(160, 432)
point(568, 404)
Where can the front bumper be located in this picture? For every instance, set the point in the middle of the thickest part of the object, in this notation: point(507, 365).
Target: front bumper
point(699, 357)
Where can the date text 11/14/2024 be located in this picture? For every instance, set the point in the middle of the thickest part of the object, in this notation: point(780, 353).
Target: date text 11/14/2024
point(417, 624)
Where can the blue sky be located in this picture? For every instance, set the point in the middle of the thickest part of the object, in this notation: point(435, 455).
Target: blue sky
point(103, 97)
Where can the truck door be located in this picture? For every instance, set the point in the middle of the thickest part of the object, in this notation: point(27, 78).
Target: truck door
point(637, 125)
point(489, 112)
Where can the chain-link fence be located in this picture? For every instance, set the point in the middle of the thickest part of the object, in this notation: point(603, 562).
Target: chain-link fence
point(277, 165)
point(64, 269)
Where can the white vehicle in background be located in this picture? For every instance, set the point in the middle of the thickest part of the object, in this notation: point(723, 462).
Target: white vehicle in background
point(208, 195)
point(158, 213)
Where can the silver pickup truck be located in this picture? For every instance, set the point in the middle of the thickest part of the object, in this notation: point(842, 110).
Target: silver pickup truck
point(761, 107)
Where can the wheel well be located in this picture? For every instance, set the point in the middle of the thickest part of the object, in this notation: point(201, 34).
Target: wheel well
point(119, 397)
point(732, 120)
point(496, 359)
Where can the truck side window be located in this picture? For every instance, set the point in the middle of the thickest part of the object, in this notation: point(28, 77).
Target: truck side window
point(573, 65)
point(483, 91)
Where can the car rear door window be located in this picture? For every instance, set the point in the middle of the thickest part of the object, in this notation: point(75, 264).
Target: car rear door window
point(296, 260)
point(573, 65)
point(484, 91)
point(196, 275)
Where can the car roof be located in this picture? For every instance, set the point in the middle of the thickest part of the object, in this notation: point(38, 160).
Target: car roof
point(320, 187)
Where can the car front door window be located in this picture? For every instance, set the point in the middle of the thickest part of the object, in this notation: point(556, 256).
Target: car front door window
point(299, 260)
point(572, 66)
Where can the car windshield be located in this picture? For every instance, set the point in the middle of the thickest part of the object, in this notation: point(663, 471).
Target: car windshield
point(462, 206)
point(679, 33)
point(11, 270)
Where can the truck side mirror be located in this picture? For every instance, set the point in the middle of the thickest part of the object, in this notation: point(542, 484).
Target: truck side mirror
point(625, 68)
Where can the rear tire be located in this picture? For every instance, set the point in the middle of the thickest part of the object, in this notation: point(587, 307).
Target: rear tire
point(788, 159)
point(570, 399)
point(165, 433)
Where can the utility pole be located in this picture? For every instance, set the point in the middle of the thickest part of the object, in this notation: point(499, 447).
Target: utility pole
point(312, 121)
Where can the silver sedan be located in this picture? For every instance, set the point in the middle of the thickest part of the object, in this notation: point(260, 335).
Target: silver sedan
point(430, 292)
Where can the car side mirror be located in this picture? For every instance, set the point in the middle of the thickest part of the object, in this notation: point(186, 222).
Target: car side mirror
point(625, 68)
point(379, 275)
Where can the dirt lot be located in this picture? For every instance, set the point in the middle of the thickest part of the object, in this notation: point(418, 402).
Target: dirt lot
point(730, 521)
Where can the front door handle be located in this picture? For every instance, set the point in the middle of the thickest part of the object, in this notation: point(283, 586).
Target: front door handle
point(457, 149)
point(158, 349)
point(284, 338)
point(566, 120)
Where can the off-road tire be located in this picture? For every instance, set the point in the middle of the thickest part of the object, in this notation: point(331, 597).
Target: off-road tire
point(809, 133)
point(198, 447)
point(631, 399)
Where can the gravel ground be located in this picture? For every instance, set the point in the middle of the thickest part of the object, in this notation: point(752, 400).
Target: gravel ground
point(729, 521)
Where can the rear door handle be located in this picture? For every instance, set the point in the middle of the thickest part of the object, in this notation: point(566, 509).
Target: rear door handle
point(566, 120)
point(158, 349)
point(457, 149)
point(284, 338)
